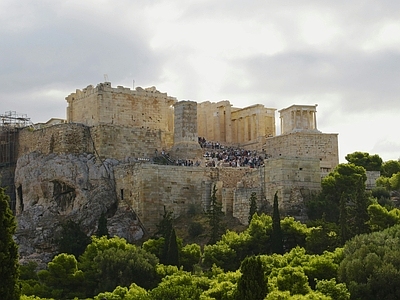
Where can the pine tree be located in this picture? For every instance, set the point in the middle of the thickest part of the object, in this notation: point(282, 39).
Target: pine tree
point(276, 236)
point(215, 217)
point(9, 267)
point(253, 205)
point(252, 285)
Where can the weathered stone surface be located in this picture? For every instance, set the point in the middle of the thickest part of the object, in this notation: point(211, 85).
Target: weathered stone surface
point(54, 188)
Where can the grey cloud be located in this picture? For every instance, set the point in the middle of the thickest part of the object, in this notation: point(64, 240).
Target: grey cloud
point(364, 81)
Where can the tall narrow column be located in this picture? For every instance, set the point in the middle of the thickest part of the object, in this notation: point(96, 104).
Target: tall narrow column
point(186, 144)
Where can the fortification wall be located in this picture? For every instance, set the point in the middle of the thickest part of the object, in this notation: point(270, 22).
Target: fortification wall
point(150, 188)
point(322, 146)
point(142, 108)
point(121, 142)
point(294, 179)
point(147, 189)
point(62, 138)
point(252, 181)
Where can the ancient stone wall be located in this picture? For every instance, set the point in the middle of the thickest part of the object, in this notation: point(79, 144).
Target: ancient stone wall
point(150, 188)
point(372, 176)
point(322, 146)
point(142, 108)
point(121, 142)
point(63, 138)
point(294, 178)
point(147, 189)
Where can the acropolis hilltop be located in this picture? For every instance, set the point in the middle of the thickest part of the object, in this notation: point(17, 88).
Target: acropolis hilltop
point(121, 152)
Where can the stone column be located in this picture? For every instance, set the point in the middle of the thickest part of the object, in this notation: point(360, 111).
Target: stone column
point(186, 144)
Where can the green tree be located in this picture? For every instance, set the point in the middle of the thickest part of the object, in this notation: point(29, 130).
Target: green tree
point(253, 205)
point(276, 237)
point(63, 278)
point(390, 167)
point(165, 230)
point(252, 285)
point(102, 229)
point(371, 265)
point(337, 291)
point(215, 214)
point(180, 286)
point(172, 253)
point(382, 195)
point(364, 159)
point(293, 279)
point(323, 236)
point(380, 218)
point(190, 255)
point(108, 263)
point(134, 292)
point(344, 188)
point(9, 267)
point(72, 239)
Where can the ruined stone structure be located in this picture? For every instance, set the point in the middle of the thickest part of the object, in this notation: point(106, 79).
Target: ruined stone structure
point(102, 161)
point(242, 127)
point(300, 138)
point(186, 142)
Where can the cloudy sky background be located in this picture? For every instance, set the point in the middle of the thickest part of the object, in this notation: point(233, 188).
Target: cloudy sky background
point(342, 55)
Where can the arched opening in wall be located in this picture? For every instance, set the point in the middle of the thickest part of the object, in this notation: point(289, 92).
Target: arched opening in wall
point(20, 199)
point(122, 194)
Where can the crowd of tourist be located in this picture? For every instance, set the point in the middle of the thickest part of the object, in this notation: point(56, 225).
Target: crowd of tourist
point(217, 155)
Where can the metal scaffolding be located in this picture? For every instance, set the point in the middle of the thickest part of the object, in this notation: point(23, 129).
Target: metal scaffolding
point(10, 125)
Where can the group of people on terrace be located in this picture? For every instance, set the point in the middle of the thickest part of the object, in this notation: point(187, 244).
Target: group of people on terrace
point(217, 155)
point(230, 156)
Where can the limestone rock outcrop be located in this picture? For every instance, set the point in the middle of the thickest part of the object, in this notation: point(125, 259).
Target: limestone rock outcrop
point(52, 189)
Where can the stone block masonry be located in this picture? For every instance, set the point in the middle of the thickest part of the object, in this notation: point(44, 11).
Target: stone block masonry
point(322, 146)
point(142, 108)
point(62, 138)
point(147, 189)
point(185, 131)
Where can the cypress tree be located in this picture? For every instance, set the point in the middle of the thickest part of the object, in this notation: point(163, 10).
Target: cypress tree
point(276, 237)
point(102, 229)
point(215, 217)
point(9, 266)
point(172, 250)
point(252, 285)
point(253, 205)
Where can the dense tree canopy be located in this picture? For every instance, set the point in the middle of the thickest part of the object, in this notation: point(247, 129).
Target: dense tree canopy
point(108, 263)
point(390, 167)
point(364, 159)
point(371, 265)
point(9, 287)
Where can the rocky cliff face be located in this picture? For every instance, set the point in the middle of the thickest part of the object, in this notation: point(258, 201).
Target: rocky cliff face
point(52, 189)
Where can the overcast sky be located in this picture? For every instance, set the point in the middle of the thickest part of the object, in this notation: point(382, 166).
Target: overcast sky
point(342, 55)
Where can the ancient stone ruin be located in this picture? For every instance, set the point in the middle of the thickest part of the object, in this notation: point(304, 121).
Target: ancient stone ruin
point(133, 153)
